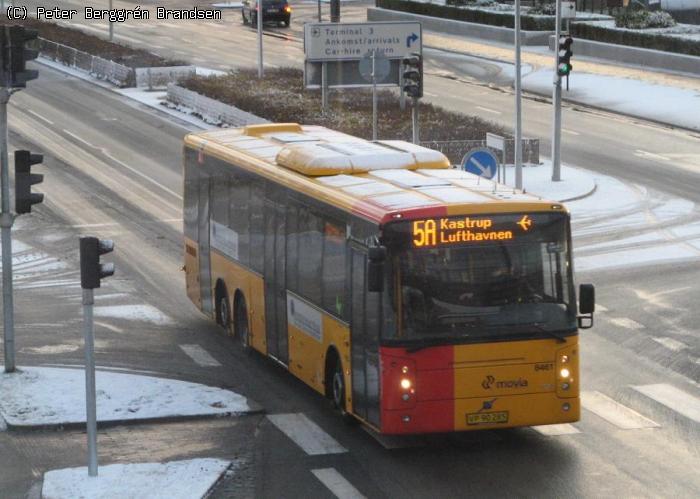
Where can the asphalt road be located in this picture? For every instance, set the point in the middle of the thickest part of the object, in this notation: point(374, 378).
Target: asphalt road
point(113, 170)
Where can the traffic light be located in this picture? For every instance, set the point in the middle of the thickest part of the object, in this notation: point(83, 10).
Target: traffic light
point(15, 54)
point(20, 54)
point(25, 179)
point(91, 270)
point(413, 75)
point(564, 54)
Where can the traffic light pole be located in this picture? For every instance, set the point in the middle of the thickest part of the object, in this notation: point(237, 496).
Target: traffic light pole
point(414, 115)
point(6, 221)
point(556, 101)
point(90, 395)
point(518, 153)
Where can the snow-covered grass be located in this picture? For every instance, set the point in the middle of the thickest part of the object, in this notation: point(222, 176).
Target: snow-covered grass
point(537, 179)
point(44, 396)
point(174, 480)
point(685, 31)
point(665, 104)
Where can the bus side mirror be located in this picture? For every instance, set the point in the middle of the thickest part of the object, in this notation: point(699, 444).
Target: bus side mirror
point(375, 269)
point(586, 299)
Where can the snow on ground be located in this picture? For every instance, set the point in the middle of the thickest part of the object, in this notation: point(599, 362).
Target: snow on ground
point(39, 396)
point(173, 480)
point(227, 5)
point(537, 179)
point(145, 313)
point(676, 106)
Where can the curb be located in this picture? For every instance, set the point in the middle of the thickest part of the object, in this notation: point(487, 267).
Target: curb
point(14, 428)
point(582, 196)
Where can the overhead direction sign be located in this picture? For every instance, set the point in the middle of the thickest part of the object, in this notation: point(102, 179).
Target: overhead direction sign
point(568, 10)
point(351, 41)
point(481, 162)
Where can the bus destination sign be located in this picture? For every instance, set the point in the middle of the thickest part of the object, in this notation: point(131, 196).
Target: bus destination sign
point(447, 231)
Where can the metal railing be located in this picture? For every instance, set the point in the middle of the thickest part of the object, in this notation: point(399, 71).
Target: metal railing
point(456, 149)
point(111, 71)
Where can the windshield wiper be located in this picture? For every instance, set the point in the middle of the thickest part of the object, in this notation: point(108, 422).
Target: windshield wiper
point(538, 326)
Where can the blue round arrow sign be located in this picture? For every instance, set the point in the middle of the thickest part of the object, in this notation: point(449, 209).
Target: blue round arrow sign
point(481, 162)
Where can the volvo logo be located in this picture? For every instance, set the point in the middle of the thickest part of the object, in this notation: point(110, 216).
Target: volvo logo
point(490, 381)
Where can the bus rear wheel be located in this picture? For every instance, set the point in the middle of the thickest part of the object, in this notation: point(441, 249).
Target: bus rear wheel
point(223, 314)
point(241, 322)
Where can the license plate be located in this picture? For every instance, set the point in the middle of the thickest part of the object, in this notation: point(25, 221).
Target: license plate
point(273, 11)
point(487, 417)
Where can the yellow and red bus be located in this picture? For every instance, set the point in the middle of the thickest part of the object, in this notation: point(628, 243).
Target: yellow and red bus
point(417, 297)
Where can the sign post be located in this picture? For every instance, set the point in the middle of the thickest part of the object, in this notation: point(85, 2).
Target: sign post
point(497, 142)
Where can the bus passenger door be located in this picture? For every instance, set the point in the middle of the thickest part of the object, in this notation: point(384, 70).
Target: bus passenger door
point(364, 325)
point(203, 214)
point(357, 336)
point(275, 285)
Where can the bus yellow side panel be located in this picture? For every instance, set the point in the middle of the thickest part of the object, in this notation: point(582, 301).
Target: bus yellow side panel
point(256, 313)
point(239, 278)
point(307, 355)
point(192, 272)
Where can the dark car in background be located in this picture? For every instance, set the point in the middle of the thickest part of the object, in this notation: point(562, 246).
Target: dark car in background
point(274, 11)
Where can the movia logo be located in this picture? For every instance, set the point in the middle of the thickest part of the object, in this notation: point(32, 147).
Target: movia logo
point(490, 381)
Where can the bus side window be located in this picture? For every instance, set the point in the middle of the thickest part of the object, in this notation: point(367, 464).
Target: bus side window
point(311, 240)
point(257, 228)
point(239, 220)
point(334, 267)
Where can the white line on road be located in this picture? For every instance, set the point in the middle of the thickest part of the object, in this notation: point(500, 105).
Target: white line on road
point(169, 25)
point(200, 356)
point(104, 151)
point(112, 328)
point(488, 110)
point(641, 153)
point(626, 323)
point(336, 483)
point(613, 412)
point(79, 139)
point(673, 398)
point(554, 430)
point(430, 94)
point(570, 132)
point(670, 343)
point(600, 308)
point(40, 116)
point(306, 434)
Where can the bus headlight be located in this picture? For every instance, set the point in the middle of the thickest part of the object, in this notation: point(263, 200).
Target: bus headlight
point(564, 373)
point(405, 383)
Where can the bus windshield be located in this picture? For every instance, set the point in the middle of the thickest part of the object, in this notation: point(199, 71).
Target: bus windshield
point(483, 287)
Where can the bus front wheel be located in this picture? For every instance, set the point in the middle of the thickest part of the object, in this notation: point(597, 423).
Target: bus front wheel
point(338, 388)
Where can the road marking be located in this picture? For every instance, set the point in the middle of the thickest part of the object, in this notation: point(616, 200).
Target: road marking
point(430, 94)
point(570, 132)
point(200, 356)
point(336, 483)
point(670, 343)
point(306, 434)
point(646, 154)
point(79, 139)
point(673, 398)
point(40, 117)
point(133, 170)
point(493, 111)
point(626, 323)
point(157, 46)
point(600, 308)
point(553, 430)
point(169, 25)
point(112, 328)
point(613, 412)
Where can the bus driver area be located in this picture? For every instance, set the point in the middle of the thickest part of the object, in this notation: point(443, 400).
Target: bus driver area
point(419, 298)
